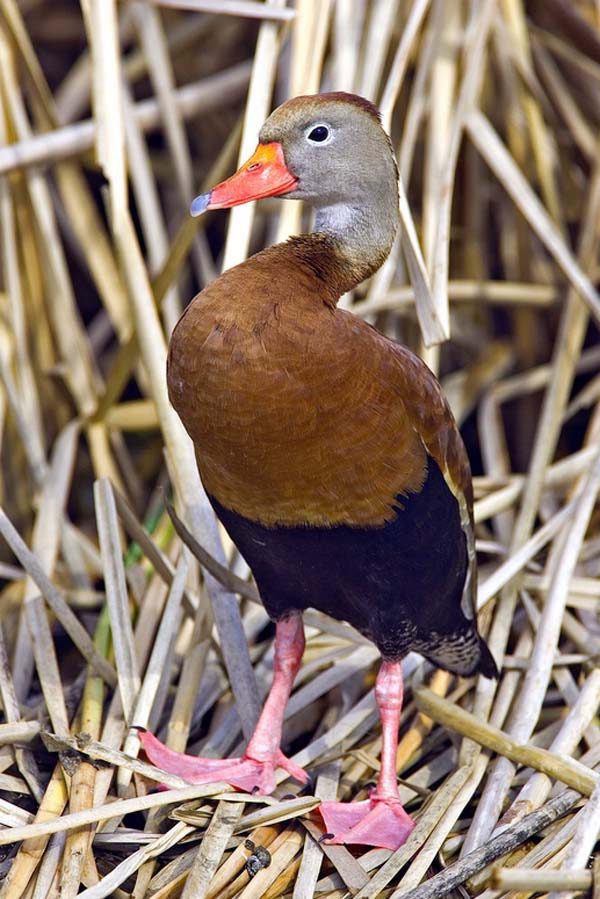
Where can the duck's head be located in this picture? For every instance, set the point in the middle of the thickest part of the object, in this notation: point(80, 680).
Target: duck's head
point(328, 149)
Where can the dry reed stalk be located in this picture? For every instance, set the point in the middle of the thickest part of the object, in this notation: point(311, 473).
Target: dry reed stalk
point(469, 89)
point(463, 291)
point(405, 47)
point(257, 108)
point(556, 475)
point(443, 76)
point(85, 381)
point(548, 849)
point(148, 201)
point(126, 663)
point(350, 871)
point(80, 370)
point(459, 872)
point(564, 100)
point(20, 732)
point(155, 48)
point(432, 325)
point(13, 815)
point(312, 855)
point(538, 787)
point(249, 8)
point(569, 771)
point(102, 752)
point(540, 141)
point(169, 625)
point(540, 881)
point(78, 843)
point(46, 883)
point(430, 319)
point(211, 849)
point(29, 401)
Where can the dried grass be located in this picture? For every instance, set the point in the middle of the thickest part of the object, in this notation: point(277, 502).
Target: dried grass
point(111, 117)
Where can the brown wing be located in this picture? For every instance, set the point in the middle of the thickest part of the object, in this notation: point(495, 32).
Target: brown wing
point(433, 420)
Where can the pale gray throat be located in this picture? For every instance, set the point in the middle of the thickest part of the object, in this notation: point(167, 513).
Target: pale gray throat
point(364, 233)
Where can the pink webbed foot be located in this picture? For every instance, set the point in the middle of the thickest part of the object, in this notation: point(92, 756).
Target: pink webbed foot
point(375, 822)
point(255, 771)
point(246, 773)
point(380, 820)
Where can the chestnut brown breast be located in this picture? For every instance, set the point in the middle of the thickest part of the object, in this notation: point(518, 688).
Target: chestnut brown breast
point(295, 407)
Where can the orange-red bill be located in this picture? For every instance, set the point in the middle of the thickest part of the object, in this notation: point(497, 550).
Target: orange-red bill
point(265, 174)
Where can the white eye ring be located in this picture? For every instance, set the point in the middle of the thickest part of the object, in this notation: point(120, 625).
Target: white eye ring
point(320, 134)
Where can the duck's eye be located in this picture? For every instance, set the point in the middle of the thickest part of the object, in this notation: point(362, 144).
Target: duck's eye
point(319, 134)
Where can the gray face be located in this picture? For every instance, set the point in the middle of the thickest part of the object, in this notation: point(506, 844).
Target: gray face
point(338, 151)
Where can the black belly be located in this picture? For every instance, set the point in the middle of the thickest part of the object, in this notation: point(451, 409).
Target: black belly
point(400, 584)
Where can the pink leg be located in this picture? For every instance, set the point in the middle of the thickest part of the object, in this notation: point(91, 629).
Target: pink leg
point(256, 769)
point(380, 820)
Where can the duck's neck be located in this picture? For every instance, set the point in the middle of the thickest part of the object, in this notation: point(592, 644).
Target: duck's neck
point(360, 237)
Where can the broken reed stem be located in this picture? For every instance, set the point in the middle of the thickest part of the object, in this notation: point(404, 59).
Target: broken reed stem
point(103, 753)
point(19, 732)
point(225, 577)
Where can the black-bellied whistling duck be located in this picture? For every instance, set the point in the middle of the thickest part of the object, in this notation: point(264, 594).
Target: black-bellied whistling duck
point(327, 451)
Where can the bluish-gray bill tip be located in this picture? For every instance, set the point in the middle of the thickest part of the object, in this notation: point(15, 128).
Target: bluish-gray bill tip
point(199, 204)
